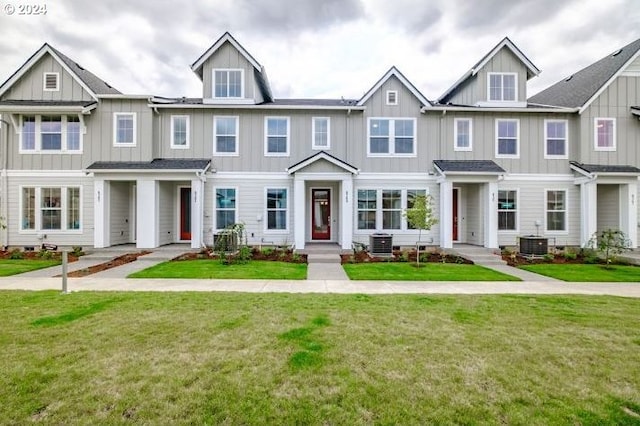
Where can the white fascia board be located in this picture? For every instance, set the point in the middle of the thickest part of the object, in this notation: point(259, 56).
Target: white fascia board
point(258, 106)
point(46, 109)
point(555, 110)
point(393, 71)
point(323, 156)
point(210, 51)
point(51, 174)
point(123, 96)
point(514, 49)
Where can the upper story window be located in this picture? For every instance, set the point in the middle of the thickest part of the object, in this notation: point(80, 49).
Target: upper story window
point(179, 131)
point(502, 87)
point(124, 129)
point(276, 136)
point(51, 82)
point(462, 131)
point(50, 133)
point(320, 133)
point(228, 83)
point(392, 137)
point(556, 139)
point(605, 134)
point(225, 135)
point(392, 97)
point(507, 138)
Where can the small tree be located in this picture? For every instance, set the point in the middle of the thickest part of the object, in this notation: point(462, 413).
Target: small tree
point(420, 217)
point(610, 243)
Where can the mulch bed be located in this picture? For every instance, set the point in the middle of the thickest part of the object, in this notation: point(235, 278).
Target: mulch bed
point(118, 261)
point(404, 256)
point(280, 255)
point(37, 255)
point(518, 260)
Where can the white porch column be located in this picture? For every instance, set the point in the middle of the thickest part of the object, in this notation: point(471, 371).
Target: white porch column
point(446, 214)
point(346, 213)
point(629, 212)
point(491, 215)
point(147, 218)
point(589, 212)
point(299, 203)
point(197, 212)
point(101, 215)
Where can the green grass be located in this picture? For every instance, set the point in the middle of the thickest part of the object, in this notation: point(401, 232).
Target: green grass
point(229, 358)
point(17, 266)
point(256, 269)
point(394, 271)
point(587, 273)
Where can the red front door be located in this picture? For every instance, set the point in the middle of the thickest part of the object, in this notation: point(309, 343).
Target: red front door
point(454, 235)
point(320, 214)
point(185, 213)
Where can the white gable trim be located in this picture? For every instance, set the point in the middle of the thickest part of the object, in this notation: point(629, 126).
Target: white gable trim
point(225, 37)
point(393, 71)
point(33, 60)
point(608, 83)
point(322, 156)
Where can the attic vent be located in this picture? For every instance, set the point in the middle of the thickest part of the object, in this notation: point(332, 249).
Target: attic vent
point(568, 78)
point(51, 81)
point(617, 52)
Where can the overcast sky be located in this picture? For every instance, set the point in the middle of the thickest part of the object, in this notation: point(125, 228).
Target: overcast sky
point(317, 48)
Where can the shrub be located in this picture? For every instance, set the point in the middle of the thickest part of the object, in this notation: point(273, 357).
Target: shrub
point(570, 254)
point(244, 254)
point(16, 254)
point(77, 251)
point(45, 254)
point(548, 257)
point(267, 251)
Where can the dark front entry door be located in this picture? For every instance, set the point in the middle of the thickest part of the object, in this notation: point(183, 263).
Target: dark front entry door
point(454, 235)
point(320, 214)
point(185, 213)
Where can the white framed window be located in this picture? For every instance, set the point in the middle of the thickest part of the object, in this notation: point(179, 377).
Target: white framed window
point(321, 131)
point(382, 209)
point(277, 209)
point(225, 135)
point(507, 138)
point(51, 208)
point(276, 136)
point(392, 97)
point(411, 197)
point(51, 82)
point(391, 209)
point(390, 137)
point(502, 87)
point(556, 139)
point(226, 207)
point(462, 134)
point(179, 131)
point(228, 83)
point(556, 211)
point(50, 134)
point(124, 129)
point(367, 208)
point(507, 210)
point(604, 134)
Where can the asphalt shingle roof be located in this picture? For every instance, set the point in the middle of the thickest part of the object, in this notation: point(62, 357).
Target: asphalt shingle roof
point(606, 168)
point(574, 91)
point(156, 164)
point(96, 84)
point(468, 166)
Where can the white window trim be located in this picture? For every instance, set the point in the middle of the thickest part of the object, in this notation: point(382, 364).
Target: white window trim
point(188, 132)
point(455, 134)
point(38, 136)
point(265, 220)
point(388, 94)
point(213, 83)
point(44, 82)
point(115, 130)
point(404, 226)
point(313, 133)
point(566, 212)
point(215, 136)
point(566, 140)
point(595, 134)
point(517, 154)
point(517, 211)
point(266, 137)
point(38, 210)
point(215, 208)
point(502, 100)
point(391, 154)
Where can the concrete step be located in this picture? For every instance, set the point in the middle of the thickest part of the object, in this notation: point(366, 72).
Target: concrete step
point(323, 258)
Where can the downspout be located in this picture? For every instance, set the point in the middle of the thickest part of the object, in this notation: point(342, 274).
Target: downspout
point(5, 186)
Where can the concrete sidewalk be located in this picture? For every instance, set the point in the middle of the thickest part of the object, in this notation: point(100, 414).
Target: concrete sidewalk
point(323, 286)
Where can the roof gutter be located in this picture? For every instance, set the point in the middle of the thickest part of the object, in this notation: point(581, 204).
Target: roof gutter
point(259, 106)
point(555, 110)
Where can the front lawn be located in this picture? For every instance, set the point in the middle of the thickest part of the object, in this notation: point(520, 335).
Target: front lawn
point(587, 273)
point(17, 266)
point(395, 271)
point(229, 358)
point(206, 268)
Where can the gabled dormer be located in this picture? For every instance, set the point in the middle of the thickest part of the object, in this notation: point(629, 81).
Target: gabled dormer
point(499, 79)
point(230, 75)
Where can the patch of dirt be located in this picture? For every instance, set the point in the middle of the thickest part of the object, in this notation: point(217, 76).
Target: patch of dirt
point(118, 261)
point(405, 256)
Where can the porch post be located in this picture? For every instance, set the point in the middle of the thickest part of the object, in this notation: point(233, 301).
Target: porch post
point(629, 212)
point(197, 212)
point(299, 203)
point(147, 203)
point(346, 213)
point(101, 215)
point(446, 214)
point(491, 215)
point(589, 213)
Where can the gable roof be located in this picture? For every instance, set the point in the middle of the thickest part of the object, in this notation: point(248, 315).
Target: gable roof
point(532, 70)
point(394, 72)
point(322, 155)
point(580, 89)
point(89, 81)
